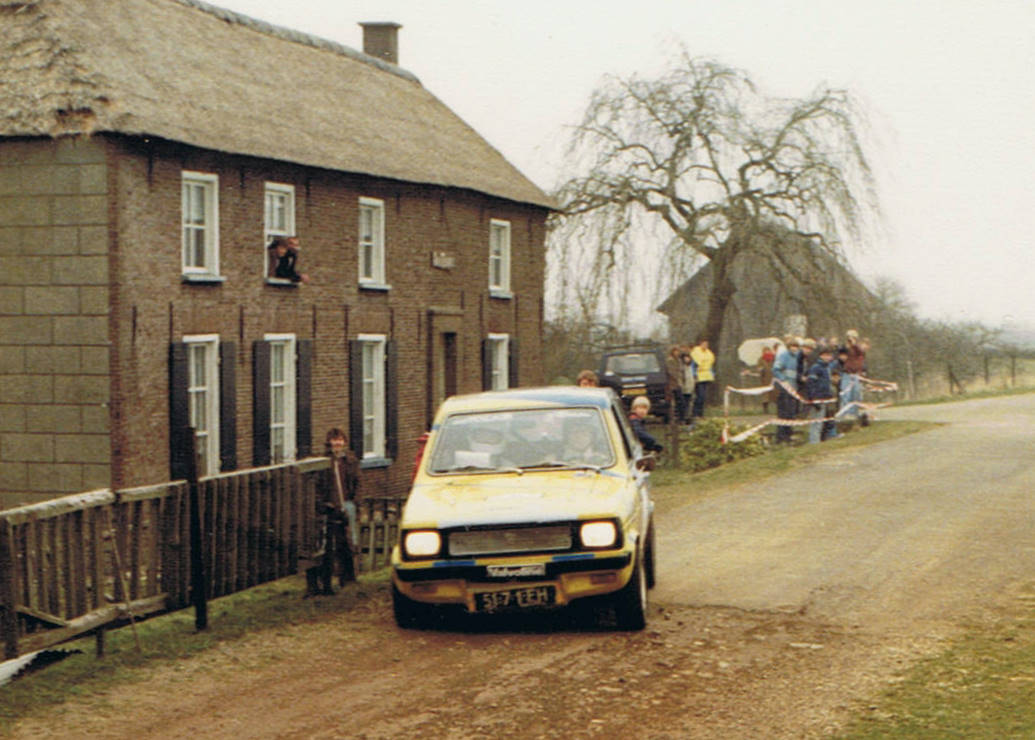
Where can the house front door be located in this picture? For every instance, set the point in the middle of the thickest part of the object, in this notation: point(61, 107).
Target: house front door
point(443, 361)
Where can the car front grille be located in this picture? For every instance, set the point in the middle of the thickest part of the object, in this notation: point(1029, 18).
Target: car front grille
point(513, 540)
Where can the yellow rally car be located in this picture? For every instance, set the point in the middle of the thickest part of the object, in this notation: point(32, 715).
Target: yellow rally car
point(527, 499)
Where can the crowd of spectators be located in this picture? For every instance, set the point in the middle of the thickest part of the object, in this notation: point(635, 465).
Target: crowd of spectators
point(810, 380)
point(816, 380)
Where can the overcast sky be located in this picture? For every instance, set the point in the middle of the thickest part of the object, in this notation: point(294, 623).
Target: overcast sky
point(949, 86)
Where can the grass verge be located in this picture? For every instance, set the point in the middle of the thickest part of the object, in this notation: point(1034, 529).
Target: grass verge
point(981, 687)
point(968, 395)
point(171, 637)
point(781, 459)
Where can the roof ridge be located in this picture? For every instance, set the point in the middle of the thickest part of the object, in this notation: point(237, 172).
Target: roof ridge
point(299, 37)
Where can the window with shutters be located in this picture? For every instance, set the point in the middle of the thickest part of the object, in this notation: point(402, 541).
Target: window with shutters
point(203, 398)
point(283, 375)
point(199, 225)
point(498, 355)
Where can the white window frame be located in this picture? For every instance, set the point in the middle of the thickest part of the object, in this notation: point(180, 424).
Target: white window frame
point(285, 424)
point(372, 275)
point(499, 256)
point(209, 226)
point(204, 391)
point(271, 192)
point(372, 367)
point(499, 372)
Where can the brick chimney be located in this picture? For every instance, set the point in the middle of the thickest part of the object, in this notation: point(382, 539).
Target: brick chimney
point(381, 40)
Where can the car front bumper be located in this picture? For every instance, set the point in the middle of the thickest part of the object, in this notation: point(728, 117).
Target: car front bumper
point(459, 582)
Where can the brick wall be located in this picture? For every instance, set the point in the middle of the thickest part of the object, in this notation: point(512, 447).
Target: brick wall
point(54, 328)
point(153, 307)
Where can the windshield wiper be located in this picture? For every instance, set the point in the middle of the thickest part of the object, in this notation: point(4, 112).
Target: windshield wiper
point(585, 466)
point(546, 464)
point(480, 469)
point(565, 465)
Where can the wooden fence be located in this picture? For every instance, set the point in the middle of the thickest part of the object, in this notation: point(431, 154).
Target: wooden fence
point(82, 564)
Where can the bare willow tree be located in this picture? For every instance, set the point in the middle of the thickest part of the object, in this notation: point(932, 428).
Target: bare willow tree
point(700, 152)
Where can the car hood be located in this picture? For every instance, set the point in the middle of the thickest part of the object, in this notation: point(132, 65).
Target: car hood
point(512, 498)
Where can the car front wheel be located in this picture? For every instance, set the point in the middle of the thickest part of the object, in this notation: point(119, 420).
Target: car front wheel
point(648, 556)
point(409, 614)
point(630, 604)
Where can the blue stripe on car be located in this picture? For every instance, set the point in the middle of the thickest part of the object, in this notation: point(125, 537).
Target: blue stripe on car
point(580, 556)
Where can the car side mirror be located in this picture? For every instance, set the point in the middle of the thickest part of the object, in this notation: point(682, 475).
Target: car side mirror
point(646, 463)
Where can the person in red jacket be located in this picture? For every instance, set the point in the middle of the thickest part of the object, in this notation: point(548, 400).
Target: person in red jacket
point(854, 368)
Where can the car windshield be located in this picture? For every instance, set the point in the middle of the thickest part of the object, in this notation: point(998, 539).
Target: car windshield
point(520, 440)
point(639, 363)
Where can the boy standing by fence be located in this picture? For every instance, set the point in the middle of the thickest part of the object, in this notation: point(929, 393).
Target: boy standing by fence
point(338, 504)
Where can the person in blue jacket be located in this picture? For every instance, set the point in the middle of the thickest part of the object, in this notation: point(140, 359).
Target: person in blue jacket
point(785, 368)
point(818, 388)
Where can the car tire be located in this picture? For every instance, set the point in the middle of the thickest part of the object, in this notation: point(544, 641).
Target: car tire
point(409, 614)
point(648, 555)
point(630, 604)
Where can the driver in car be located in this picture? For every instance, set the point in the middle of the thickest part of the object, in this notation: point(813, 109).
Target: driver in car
point(581, 445)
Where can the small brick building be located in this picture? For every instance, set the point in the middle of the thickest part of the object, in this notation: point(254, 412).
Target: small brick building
point(150, 150)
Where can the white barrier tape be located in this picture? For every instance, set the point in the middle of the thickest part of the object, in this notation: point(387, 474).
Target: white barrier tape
point(879, 386)
point(750, 391)
point(873, 385)
point(793, 392)
point(746, 434)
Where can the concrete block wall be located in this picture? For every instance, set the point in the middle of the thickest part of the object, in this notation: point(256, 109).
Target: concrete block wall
point(54, 318)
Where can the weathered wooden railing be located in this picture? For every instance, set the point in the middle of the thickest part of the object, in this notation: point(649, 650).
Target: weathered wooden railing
point(85, 563)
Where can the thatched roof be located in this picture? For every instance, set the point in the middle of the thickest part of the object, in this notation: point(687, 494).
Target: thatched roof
point(186, 71)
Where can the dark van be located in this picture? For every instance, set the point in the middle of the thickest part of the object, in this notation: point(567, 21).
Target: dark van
point(637, 370)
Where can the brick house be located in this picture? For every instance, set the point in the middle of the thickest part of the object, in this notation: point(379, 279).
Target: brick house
point(149, 152)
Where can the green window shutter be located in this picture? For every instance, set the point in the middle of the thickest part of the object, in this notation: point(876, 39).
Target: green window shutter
point(356, 397)
point(391, 400)
point(261, 404)
point(486, 365)
point(513, 377)
point(304, 399)
point(227, 406)
point(179, 411)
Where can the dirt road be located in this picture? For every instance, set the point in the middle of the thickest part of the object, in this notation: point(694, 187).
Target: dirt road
point(779, 608)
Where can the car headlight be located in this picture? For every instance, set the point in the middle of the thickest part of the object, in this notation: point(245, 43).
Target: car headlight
point(422, 543)
point(598, 534)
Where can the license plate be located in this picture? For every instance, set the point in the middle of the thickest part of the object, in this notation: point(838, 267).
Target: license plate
point(516, 571)
point(515, 598)
point(634, 391)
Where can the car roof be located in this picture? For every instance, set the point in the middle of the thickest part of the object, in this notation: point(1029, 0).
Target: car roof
point(638, 349)
point(553, 396)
